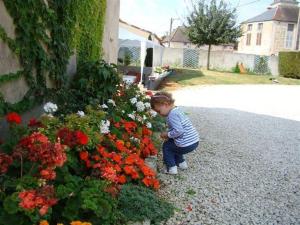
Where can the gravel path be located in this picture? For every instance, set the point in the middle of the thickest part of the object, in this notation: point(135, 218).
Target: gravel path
point(247, 169)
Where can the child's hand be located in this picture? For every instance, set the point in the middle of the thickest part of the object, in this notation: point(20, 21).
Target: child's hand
point(164, 135)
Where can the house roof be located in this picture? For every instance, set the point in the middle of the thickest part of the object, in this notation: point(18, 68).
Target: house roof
point(178, 35)
point(141, 29)
point(280, 13)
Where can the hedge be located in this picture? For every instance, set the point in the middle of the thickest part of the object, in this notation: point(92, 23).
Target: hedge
point(289, 64)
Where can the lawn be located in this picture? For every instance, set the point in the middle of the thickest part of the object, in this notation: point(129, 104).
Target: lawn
point(189, 77)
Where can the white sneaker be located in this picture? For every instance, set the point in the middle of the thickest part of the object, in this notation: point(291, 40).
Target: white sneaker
point(183, 165)
point(172, 170)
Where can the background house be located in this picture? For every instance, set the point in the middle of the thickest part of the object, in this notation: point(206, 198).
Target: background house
point(179, 39)
point(275, 30)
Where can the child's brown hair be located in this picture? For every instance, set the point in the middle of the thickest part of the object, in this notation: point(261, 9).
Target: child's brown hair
point(160, 98)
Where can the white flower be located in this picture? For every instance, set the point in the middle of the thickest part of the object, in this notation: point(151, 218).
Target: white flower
point(104, 127)
point(147, 105)
point(123, 111)
point(50, 107)
point(153, 113)
point(110, 101)
point(147, 97)
point(80, 113)
point(148, 125)
point(104, 106)
point(132, 116)
point(133, 100)
point(135, 139)
point(144, 117)
point(140, 106)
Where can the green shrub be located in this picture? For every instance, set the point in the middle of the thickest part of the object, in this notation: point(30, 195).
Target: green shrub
point(289, 64)
point(236, 69)
point(139, 203)
point(96, 80)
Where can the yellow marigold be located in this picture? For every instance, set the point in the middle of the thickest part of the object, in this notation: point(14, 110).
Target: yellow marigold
point(60, 224)
point(86, 223)
point(44, 222)
point(76, 223)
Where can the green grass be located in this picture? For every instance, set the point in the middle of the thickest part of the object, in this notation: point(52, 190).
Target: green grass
point(190, 77)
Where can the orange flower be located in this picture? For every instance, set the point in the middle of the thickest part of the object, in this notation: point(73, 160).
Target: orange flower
point(146, 131)
point(131, 159)
point(44, 222)
point(84, 155)
point(128, 169)
point(76, 223)
point(135, 175)
point(147, 181)
point(156, 184)
point(147, 171)
point(122, 179)
point(117, 158)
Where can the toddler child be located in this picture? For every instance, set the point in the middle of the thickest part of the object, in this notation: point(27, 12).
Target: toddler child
point(181, 137)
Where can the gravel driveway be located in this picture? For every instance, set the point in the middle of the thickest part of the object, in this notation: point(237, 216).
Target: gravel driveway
point(247, 169)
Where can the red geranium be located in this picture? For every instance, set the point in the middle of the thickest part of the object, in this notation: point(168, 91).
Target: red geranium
point(5, 161)
point(48, 174)
point(81, 137)
point(13, 118)
point(34, 123)
point(42, 198)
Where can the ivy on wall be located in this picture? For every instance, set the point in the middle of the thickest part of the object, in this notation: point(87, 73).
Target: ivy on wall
point(10, 77)
point(47, 31)
point(89, 29)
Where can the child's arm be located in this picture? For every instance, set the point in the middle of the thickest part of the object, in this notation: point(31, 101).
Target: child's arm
point(176, 128)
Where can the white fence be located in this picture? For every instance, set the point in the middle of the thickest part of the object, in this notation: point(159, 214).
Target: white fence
point(221, 60)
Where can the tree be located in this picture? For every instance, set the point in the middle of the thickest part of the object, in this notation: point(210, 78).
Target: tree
point(212, 24)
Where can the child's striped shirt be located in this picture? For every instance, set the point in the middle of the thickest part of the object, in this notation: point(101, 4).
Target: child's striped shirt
point(181, 128)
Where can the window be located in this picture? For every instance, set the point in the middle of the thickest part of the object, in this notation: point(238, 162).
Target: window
point(259, 33)
point(248, 40)
point(258, 39)
point(248, 37)
point(249, 27)
point(289, 36)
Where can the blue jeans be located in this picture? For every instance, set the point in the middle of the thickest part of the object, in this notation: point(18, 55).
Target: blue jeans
point(173, 155)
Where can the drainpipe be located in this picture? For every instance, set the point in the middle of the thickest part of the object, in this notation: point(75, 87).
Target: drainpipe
point(298, 33)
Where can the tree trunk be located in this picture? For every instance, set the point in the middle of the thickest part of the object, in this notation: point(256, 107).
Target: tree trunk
point(208, 56)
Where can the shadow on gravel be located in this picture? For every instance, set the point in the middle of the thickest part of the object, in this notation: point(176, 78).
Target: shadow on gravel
point(246, 170)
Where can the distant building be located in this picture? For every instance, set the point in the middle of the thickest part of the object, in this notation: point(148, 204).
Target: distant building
point(179, 39)
point(275, 30)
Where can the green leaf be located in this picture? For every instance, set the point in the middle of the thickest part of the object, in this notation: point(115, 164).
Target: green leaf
point(11, 204)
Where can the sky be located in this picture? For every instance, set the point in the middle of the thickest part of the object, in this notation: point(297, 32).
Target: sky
point(155, 15)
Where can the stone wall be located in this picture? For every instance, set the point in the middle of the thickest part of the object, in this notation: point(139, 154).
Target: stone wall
point(111, 31)
point(9, 63)
point(221, 60)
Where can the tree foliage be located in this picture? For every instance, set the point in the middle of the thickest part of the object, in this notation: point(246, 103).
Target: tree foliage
point(212, 24)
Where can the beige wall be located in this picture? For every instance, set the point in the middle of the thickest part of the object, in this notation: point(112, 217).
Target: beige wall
point(111, 31)
point(266, 42)
point(193, 46)
point(280, 37)
point(273, 39)
point(9, 62)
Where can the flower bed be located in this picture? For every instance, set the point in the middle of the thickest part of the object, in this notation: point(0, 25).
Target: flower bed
point(158, 75)
point(73, 168)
